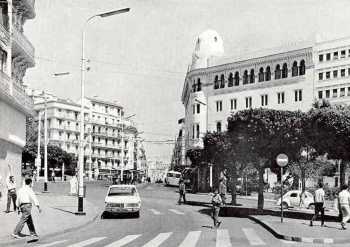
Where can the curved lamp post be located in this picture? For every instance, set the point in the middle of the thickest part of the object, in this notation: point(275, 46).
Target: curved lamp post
point(81, 141)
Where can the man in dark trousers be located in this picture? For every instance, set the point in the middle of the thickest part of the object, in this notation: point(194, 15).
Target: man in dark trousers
point(182, 191)
point(216, 204)
point(11, 193)
point(319, 204)
point(26, 197)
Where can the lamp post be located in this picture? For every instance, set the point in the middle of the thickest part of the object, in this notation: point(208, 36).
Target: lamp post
point(81, 140)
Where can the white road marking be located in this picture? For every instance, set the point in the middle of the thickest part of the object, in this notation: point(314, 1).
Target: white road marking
point(53, 243)
point(87, 242)
point(253, 237)
point(288, 242)
point(223, 238)
point(155, 211)
point(158, 240)
point(176, 211)
point(123, 241)
point(191, 239)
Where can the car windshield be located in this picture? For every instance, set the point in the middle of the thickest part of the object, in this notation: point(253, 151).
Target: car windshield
point(121, 191)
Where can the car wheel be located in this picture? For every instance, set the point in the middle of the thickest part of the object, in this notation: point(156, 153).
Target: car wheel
point(137, 214)
point(103, 215)
point(284, 205)
point(311, 206)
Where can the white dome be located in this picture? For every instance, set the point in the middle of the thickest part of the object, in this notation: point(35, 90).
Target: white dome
point(209, 44)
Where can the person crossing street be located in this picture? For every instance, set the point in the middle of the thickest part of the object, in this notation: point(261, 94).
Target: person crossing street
point(182, 191)
point(24, 201)
point(344, 202)
point(319, 204)
point(216, 204)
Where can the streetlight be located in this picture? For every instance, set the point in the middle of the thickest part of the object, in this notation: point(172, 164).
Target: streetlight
point(81, 153)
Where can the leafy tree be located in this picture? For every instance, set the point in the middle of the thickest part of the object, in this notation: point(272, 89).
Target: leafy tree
point(264, 133)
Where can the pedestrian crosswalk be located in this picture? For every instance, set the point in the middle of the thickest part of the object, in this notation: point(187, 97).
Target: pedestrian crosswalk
point(217, 238)
point(172, 210)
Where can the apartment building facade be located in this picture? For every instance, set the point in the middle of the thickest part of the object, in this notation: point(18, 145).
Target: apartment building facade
point(16, 56)
point(109, 138)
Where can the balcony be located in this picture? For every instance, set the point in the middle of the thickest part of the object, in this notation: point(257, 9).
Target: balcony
point(22, 46)
point(4, 35)
point(27, 6)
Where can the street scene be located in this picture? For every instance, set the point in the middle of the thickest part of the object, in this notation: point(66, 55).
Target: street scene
point(192, 123)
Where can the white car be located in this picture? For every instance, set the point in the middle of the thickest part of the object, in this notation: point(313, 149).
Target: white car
point(122, 199)
point(292, 199)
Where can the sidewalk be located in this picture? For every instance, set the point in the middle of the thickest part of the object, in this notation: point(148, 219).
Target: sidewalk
point(57, 216)
point(300, 231)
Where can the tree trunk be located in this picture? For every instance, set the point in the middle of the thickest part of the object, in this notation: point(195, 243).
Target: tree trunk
point(233, 184)
point(303, 180)
point(261, 190)
point(342, 173)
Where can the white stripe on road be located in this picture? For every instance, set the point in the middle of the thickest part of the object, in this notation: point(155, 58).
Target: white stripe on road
point(223, 238)
point(155, 211)
point(252, 237)
point(191, 239)
point(123, 241)
point(288, 242)
point(161, 237)
point(53, 243)
point(87, 242)
point(176, 211)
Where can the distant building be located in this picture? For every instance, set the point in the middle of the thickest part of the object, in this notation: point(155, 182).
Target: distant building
point(16, 56)
point(111, 140)
point(157, 170)
point(179, 153)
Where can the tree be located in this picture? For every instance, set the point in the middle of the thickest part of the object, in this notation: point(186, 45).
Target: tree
point(328, 131)
point(264, 133)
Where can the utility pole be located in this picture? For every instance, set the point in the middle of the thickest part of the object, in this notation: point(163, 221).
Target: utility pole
point(45, 145)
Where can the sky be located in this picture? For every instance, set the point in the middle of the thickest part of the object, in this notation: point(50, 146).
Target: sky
point(140, 59)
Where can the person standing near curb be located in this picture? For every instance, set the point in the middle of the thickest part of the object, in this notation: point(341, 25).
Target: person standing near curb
point(182, 191)
point(319, 204)
point(11, 193)
point(223, 190)
point(25, 199)
point(216, 204)
point(344, 202)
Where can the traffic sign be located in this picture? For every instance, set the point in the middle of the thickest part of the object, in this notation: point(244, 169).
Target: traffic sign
point(282, 160)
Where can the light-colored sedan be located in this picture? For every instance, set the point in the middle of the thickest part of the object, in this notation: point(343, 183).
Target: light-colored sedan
point(122, 199)
point(292, 199)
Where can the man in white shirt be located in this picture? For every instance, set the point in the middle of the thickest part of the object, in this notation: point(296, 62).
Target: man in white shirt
point(344, 202)
point(25, 198)
point(11, 193)
point(319, 204)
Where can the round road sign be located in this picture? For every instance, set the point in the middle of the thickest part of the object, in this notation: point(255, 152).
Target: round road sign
point(282, 160)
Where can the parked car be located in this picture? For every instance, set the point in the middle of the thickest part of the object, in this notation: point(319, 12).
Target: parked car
point(292, 199)
point(122, 199)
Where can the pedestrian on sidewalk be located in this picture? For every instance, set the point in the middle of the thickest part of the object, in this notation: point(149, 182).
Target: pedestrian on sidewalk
point(344, 202)
point(319, 204)
point(216, 204)
point(223, 190)
point(53, 176)
point(182, 191)
point(25, 199)
point(11, 193)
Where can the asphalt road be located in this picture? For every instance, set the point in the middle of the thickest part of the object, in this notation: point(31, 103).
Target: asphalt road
point(164, 223)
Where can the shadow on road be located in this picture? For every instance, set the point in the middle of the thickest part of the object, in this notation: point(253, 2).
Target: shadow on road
point(106, 215)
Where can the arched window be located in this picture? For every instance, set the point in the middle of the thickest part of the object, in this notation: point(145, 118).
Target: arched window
point(230, 80)
point(295, 69)
point(237, 78)
point(222, 81)
point(302, 67)
point(199, 85)
point(252, 76)
point(261, 74)
point(216, 82)
point(284, 71)
point(268, 73)
point(278, 72)
point(245, 77)
point(218, 126)
point(194, 86)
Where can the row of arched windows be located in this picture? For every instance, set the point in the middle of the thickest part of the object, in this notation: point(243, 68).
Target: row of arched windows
point(197, 86)
point(263, 75)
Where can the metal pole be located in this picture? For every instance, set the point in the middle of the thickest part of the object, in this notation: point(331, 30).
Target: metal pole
point(38, 155)
point(45, 146)
point(281, 195)
point(211, 177)
point(122, 153)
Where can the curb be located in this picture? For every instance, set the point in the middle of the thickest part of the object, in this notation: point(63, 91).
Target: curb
point(24, 240)
point(297, 238)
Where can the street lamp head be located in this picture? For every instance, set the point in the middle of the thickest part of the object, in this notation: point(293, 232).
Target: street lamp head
point(115, 12)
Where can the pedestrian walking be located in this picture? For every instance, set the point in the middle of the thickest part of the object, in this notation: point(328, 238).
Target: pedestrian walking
point(53, 176)
point(319, 204)
point(223, 190)
point(11, 193)
point(344, 205)
point(25, 199)
point(216, 204)
point(182, 191)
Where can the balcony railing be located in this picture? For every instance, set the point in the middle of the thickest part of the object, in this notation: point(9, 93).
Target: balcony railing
point(23, 43)
point(4, 35)
point(21, 97)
